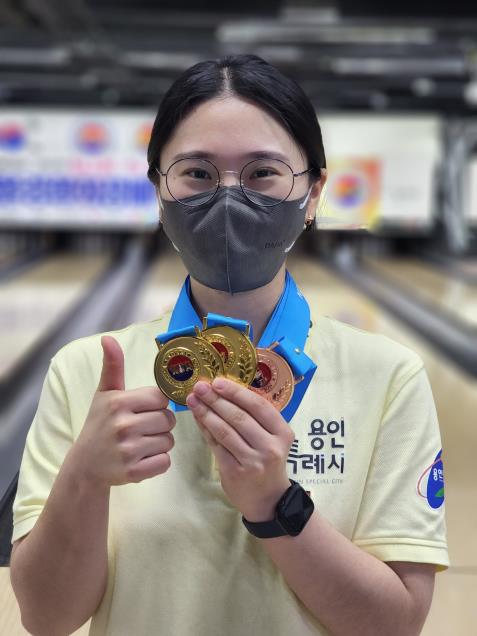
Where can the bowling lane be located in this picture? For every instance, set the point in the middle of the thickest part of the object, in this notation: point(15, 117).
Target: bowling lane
point(10, 250)
point(470, 267)
point(38, 299)
point(466, 266)
point(448, 294)
point(161, 286)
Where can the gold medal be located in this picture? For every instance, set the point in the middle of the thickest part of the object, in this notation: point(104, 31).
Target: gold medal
point(181, 362)
point(236, 350)
point(274, 378)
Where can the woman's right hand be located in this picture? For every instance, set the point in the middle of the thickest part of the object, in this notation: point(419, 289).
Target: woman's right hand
point(126, 436)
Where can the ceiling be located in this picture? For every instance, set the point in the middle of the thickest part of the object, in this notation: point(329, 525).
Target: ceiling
point(347, 55)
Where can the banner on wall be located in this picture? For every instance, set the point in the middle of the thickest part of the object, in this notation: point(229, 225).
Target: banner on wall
point(69, 169)
point(380, 172)
point(352, 195)
point(72, 169)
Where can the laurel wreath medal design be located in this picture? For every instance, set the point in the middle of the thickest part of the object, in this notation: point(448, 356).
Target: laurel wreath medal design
point(237, 351)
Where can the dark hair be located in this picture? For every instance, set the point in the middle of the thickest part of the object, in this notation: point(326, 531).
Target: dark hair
point(247, 76)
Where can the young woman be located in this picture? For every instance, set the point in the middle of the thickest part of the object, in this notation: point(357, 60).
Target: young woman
point(246, 519)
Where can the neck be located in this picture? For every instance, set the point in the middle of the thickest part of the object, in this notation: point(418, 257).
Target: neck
point(255, 306)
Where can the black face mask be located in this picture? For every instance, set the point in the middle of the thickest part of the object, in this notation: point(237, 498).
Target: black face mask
point(230, 243)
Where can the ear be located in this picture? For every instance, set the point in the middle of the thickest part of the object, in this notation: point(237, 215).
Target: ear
point(315, 194)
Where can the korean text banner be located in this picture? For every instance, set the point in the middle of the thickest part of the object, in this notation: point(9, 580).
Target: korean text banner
point(66, 168)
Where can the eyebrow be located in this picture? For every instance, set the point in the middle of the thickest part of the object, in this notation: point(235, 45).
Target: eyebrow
point(255, 154)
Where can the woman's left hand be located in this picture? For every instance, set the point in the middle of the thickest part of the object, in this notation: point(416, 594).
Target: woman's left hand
point(250, 440)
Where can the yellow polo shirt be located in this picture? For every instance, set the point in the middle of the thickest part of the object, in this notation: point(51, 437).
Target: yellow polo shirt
point(180, 560)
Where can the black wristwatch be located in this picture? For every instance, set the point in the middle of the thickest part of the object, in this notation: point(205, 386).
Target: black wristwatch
point(292, 512)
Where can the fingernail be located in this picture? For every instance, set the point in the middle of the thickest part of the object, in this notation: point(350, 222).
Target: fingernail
point(218, 383)
point(192, 401)
point(201, 388)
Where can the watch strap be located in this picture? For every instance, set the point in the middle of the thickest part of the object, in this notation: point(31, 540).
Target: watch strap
point(272, 528)
point(265, 529)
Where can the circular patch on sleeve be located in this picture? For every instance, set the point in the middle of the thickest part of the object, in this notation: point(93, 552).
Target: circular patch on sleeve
point(435, 483)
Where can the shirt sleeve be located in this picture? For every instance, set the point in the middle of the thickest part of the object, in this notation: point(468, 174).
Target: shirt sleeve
point(48, 440)
point(402, 516)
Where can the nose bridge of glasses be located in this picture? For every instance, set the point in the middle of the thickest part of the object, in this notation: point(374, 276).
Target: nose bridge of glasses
point(229, 180)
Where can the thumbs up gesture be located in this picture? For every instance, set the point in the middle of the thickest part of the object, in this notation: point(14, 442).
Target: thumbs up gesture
point(126, 436)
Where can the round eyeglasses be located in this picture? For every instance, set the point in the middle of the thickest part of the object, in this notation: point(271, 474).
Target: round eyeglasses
point(193, 181)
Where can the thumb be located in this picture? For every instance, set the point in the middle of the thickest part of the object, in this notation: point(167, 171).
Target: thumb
point(112, 373)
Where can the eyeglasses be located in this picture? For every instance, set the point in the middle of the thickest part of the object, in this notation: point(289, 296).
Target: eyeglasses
point(193, 181)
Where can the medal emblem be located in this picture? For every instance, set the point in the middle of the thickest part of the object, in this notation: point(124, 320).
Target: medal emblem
point(237, 351)
point(274, 378)
point(181, 362)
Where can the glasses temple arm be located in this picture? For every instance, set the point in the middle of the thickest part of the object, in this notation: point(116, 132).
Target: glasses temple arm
point(298, 174)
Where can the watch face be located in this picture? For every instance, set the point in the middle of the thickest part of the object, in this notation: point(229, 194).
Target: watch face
point(295, 510)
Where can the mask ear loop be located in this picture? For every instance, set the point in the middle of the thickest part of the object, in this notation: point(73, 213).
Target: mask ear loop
point(159, 198)
point(302, 205)
point(161, 207)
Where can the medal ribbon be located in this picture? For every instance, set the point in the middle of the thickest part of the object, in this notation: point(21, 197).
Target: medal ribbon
point(291, 316)
point(216, 319)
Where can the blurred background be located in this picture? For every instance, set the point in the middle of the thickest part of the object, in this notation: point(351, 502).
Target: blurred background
point(394, 250)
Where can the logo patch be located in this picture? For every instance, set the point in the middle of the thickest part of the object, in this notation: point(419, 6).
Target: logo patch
point(435, 482)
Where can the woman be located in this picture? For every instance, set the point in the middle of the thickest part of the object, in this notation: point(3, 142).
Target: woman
point(146, 530)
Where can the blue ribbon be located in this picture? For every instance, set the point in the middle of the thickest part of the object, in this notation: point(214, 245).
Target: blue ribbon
point(288, 324)
point(216, 319)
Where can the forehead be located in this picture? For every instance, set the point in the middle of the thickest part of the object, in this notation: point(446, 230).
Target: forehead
point(230, 127)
